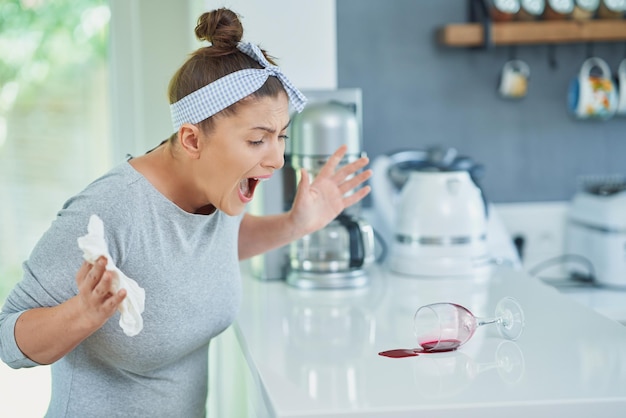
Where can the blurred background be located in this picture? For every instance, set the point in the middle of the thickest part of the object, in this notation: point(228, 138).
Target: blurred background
point(54, 115)
point(83, 83)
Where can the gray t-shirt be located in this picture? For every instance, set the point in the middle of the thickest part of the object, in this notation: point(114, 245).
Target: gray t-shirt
point(188, 266)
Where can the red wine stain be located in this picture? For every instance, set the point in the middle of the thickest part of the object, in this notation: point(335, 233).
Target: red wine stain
point(401, 352)
point(441, 346)
point(428, 347)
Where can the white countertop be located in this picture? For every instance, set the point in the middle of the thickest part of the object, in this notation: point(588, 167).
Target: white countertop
point(315, 353)
point(607, 301)
point(610, 303)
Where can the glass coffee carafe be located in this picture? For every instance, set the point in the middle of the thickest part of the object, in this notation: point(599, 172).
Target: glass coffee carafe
point(334, 256)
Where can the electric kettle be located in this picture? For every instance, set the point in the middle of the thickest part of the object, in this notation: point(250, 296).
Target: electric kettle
point(435, 211)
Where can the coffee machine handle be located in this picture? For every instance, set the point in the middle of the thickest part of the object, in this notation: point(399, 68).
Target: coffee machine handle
point(357, 247)
point(383, 192)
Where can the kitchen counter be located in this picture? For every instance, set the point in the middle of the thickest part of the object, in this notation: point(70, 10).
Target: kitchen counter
point(315, 353)
point(610, 302)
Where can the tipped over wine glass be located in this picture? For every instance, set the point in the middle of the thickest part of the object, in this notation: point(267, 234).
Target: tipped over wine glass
point(445, 326)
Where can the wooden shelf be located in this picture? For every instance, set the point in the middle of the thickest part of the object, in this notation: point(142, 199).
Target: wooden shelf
point(527, 33)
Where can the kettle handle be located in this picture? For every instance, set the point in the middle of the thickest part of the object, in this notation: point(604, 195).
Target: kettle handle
point(357, 248)
point(383, 190)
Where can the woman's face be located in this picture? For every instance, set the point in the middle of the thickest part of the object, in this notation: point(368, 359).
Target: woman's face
point(242, 150)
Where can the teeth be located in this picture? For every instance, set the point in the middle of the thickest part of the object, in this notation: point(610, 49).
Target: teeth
point(243, 186)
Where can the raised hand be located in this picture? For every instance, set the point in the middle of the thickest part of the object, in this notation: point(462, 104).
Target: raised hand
point(317, 204)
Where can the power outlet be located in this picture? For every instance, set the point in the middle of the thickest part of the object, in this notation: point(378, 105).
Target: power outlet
point(541, 225)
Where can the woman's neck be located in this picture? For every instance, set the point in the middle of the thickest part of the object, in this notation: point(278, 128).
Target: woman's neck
point(170, 174)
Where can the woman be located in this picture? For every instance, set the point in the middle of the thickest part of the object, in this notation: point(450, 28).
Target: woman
point(175, 222)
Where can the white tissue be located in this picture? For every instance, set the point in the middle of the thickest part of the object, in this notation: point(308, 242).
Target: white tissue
point(131, 308)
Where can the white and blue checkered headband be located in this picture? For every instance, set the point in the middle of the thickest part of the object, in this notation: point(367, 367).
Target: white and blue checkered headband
point(223, 92)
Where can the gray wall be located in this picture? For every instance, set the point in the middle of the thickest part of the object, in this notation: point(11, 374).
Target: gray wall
point(417, 93)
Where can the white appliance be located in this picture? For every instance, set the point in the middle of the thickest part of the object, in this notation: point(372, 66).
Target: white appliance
point(430, 209)
point(596, 232)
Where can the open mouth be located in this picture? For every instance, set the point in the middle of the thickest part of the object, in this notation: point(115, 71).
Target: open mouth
point(247, 186)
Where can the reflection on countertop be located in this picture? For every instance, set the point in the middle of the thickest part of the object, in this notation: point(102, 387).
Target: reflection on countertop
point(315, 353)
point(448, 374)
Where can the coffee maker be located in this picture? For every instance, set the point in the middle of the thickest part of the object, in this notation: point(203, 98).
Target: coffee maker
point(336, 256)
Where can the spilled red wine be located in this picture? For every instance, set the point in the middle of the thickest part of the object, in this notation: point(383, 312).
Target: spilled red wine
point(441, 346)
point(428, 347)
point(401, 352)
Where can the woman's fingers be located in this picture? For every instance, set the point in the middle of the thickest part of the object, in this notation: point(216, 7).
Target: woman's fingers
point(82, 273)
point(89, 275)
point(349, 169)
point(102, 289)
point(333, 161)
point(353, 182)
point(98, 293)
point(96, 281)
point(356, 196)
point(116, 299)
point(305, 181)
point(95, 274)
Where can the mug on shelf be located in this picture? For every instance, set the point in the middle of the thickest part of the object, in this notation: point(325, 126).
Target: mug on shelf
point(612, 9)
point(585, 9)
point(558, 9)
point(503, 10)
point(531, 9)
point(621, 88)
point(593, 96)
point(514, 79)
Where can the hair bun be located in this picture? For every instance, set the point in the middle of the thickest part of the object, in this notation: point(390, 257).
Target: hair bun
point(221, 27)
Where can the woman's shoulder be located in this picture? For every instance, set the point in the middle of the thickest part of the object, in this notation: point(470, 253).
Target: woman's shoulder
point(110, 196)
point(110, 189)
point(120, 179)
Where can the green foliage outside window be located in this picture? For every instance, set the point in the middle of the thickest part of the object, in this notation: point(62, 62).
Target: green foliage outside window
point(39, 37)
point(53, 115)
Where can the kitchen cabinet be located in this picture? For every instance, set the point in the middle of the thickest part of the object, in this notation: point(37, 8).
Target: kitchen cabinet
point(315, 353)
point(535, 32)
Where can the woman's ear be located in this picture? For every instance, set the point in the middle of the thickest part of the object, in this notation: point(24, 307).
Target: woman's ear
point(189, 139)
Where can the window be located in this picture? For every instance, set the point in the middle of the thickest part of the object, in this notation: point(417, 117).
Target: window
point(54, 116)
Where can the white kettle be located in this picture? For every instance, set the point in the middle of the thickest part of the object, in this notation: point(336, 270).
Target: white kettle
point(437, 218)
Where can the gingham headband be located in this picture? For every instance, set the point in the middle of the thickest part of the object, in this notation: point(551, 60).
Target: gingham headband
point(223, 92)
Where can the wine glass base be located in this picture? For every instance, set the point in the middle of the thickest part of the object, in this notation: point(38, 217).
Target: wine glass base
point(511, 323)
point(510, 361)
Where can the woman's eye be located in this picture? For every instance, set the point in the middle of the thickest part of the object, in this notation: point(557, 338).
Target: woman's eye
point(283, 137)
point(259, 142)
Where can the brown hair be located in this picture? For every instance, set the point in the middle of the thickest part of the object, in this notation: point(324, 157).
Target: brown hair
point(223, 29)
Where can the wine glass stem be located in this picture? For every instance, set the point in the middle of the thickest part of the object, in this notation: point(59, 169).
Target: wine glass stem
point(485, 321)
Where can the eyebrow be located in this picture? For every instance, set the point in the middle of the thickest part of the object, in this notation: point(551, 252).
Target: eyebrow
point(270, 130)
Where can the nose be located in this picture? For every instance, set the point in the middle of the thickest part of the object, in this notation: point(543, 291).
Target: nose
point(276, 155)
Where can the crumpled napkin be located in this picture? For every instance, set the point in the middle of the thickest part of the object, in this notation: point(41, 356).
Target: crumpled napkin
point(94, 245)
